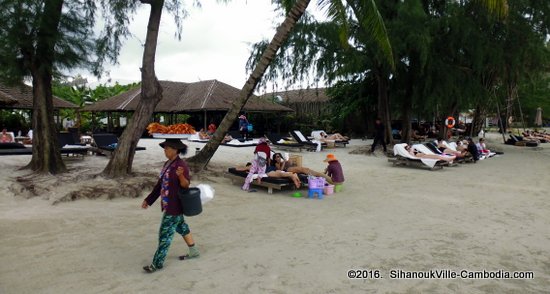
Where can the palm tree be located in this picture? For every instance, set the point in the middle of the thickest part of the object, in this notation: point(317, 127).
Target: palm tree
point(336, 9)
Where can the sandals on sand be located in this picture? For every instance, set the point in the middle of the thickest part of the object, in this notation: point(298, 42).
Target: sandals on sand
point(187, 256)
point(149, 268)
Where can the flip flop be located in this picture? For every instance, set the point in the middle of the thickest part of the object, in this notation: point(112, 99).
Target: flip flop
point(252, 190)
point(186, 256)
point(149, 269)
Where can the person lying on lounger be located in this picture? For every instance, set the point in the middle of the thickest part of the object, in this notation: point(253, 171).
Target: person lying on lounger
point(203, 135)
point(444, 149)
point(271, 171)
point(335, 137)
point(462, 146)
point(532, 136)
point(282, 165)
point(417, 154)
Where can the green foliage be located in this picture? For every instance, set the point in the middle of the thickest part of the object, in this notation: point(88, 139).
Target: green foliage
point(14, 120)
point(80, 94)
point(450, 55)
point(74, 43)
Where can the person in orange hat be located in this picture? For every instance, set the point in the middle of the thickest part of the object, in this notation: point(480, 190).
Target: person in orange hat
point(334, 169)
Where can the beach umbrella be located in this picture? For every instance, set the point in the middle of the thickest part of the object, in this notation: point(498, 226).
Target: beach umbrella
point(538, 117)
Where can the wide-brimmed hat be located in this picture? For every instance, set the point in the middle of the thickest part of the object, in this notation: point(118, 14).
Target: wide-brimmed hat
point(174, 143)
point(330, 157)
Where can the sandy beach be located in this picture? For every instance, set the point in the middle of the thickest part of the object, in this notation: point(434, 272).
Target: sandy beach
point(492, 215)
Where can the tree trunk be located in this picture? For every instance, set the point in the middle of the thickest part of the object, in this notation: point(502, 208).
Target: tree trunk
point(407, 109)
point(122, 158)
point(46, 157)
point(199, 161)
point(384, 104)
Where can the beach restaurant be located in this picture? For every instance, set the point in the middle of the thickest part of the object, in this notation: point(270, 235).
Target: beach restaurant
point(204, 101)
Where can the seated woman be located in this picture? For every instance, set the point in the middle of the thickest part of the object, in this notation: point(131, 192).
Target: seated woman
point(417, 154)
point(271, 171)
point(482, 148)
point(443, 148)
point(5, 137)
point(203, 135)
point(335, 137)
point(282, 165)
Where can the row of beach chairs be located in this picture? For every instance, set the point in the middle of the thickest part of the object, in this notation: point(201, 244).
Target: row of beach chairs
point(104, 144)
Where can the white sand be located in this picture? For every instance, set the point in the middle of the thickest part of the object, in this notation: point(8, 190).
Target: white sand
point(487, 216)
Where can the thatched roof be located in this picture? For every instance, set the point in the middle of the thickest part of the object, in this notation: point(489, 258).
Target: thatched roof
point(300, 96)
point(211, 95)
point(20, 97)
point(6, 100)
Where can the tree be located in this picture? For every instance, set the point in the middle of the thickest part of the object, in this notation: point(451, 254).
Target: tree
point(41, 38)
point(120, 164)
point(336, 10)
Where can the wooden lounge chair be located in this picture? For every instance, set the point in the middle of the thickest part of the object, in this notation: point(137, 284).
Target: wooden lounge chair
point(106, 143)
point(310, 145)
point(14, 149)
point(69, 146)
point(238, 177)
point(274, 140)
point(520, 141)
point(317, 136)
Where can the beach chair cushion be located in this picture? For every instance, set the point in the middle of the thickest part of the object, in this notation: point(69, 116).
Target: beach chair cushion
point(399, 150)
point(277, 139)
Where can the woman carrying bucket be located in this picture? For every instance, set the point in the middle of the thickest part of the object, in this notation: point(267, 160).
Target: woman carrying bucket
point(334, 171)
point(174, 174)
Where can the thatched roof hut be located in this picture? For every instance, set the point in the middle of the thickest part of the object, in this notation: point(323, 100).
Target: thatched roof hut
point(178, 97)
point(305, 102)
point(20, 97)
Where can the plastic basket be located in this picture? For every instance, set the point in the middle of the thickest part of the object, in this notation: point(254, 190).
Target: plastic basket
point(316, 183)
point(329, 189)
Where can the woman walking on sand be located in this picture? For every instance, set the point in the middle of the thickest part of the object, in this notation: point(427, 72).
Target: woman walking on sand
point(174, 174)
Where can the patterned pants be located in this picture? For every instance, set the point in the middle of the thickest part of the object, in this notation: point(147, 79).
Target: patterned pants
point(168, 225)
point(254, 169)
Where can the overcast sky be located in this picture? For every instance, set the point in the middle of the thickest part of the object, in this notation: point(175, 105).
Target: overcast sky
point(215, 44)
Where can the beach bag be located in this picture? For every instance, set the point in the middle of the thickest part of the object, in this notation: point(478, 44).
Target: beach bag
point(250, 128)
point(207, 192)
point(190, 199)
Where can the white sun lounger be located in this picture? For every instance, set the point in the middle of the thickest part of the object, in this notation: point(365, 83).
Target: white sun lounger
point(403, 157)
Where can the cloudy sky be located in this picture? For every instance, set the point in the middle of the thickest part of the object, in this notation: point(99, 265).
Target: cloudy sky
point(215, 44)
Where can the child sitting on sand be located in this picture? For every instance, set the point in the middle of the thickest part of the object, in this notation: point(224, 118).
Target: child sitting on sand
point(334, 169)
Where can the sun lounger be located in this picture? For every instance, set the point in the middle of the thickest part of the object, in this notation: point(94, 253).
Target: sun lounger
point(68, 145)
point(196, 138)
point(432, 148)
point(238, 177)
point(239, 143)
point(14, 149)
point(317, 136)
point(106, 143)
point(310, 145)
point(519, 141)
point(277, 141)
point(403, 157)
